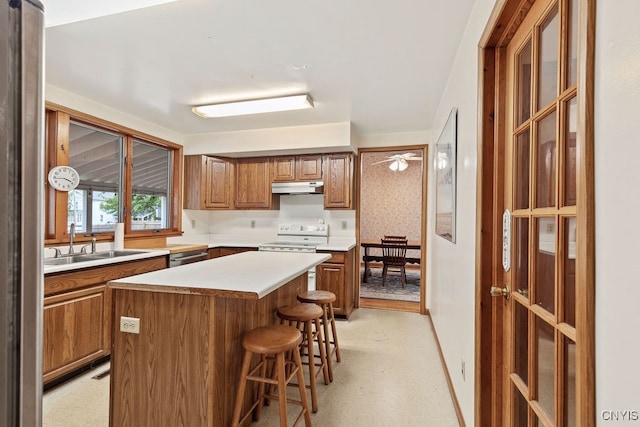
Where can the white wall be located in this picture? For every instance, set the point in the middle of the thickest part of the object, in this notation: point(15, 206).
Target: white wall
point(71, 100)
point(303, 208)
point(617, 100)
point(451, 289)
point(331, 137)
point(617, 152)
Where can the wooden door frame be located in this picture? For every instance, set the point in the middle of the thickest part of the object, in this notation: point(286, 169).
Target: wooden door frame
point(504, 20)
point(423, 223)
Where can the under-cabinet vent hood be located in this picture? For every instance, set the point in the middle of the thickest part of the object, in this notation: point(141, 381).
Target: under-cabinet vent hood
point(315, 187)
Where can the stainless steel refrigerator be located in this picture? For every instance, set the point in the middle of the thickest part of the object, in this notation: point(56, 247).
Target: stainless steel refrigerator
point(21, 211)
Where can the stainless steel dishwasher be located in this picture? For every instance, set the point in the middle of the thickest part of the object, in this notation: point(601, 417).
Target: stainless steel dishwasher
point(182, 258)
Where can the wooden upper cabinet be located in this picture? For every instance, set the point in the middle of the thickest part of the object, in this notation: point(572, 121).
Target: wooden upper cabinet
point(338, 181)
point(253, 184)
point(208, 183)
point(297, 168)
point(219, 184)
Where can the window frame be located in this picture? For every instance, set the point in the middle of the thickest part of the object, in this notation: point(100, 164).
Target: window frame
point(57, 122)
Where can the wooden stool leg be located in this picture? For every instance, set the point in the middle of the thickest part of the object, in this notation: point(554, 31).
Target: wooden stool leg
point(325, 324)
point(261, 387)
point(282, 388)
point(243, 383)
point(303, 389)
point(335, 335)
point(312, 369)
point(323, 353)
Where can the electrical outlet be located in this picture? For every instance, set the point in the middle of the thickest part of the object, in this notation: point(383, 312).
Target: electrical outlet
point(463, 370)
point(344, 224)
point(253, 223)
point(130, 325)
point(193, 223)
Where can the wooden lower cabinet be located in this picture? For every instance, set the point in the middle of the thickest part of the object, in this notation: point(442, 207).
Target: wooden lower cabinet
point(336, 275)
point(77, 315)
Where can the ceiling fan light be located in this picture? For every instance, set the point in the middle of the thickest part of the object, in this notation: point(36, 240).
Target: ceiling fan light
point(267, 105)
point(398, 165)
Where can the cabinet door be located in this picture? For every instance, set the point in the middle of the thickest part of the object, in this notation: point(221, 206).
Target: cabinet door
point(253, 184)
point(218, 184)
point(194, 182)
point(330, 277)
point(309, 168)
point(338, 181)
point(284, 168)
point(75, 330)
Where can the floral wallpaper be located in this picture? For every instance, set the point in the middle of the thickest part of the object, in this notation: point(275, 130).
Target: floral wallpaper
point(390, 201)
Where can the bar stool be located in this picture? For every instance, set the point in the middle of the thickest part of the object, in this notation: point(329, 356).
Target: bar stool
point(325, 300)
point(274, 340)
point(304, 316)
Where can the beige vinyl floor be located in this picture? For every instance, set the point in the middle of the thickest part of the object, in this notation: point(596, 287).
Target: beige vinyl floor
point(390, 375)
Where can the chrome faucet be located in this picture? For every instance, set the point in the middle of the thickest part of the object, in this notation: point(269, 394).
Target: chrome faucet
point(72, 234)
point(92, 244)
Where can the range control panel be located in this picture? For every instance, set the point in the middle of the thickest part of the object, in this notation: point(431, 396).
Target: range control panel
point(304, 230)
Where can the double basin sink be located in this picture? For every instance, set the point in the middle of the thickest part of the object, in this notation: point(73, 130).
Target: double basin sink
point(96, 256)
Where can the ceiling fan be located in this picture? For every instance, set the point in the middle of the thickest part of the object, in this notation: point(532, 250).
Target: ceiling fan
point(399, 161)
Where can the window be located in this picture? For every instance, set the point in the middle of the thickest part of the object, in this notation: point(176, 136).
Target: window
point(97, 156)
point(150, 187)
point(124, 177)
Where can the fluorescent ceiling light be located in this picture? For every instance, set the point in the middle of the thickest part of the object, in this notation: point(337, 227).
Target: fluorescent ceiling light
point(268, 105)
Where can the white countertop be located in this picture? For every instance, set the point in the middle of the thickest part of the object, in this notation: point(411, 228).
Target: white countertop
point(136, 255)
point(245, 275)
point(254, 240)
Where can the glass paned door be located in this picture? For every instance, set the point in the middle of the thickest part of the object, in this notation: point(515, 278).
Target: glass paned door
point(540, 189)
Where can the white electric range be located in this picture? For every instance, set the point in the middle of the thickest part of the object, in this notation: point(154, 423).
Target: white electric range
point(299, 238)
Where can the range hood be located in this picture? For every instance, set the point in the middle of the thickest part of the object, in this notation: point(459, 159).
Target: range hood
point(315, 187)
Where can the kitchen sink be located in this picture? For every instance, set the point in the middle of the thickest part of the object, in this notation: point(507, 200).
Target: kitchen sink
point(96, 256)
point(113, 254)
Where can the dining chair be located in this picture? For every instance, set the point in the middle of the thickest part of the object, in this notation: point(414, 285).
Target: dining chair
point(389, 237)
point(394, 258)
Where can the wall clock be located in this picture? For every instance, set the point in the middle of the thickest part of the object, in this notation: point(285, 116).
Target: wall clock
point(64, 178)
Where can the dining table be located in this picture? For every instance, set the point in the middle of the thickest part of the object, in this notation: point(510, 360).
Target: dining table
point(376, 256)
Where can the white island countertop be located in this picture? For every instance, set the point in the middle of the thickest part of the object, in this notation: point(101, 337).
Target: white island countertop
point(249, 275)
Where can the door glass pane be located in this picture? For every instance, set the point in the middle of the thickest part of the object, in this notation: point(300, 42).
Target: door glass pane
point(572, 66)
point(521, 167)
point(520, 261)
point(521, 344)
point(569, 368)
point(546, 164)
point(569, 279)
point(523, 107)
point(545, 264)
point(548, 68)
point(96, 155)
point(520, 408)
point(546, 366)
point(150, 187)
point(570, 153)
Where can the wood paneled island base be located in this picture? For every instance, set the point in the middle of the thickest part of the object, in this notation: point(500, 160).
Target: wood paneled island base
point(183, 367)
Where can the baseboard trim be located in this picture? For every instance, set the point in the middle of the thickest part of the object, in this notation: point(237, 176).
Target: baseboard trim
point(456, 404)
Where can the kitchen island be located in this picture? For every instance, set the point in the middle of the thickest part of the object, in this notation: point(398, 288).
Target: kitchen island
point(182, 368)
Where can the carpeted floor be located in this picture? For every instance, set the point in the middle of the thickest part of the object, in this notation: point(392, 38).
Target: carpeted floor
point(393, 287)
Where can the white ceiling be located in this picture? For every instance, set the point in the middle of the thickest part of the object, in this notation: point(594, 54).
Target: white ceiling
point(381, 65)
